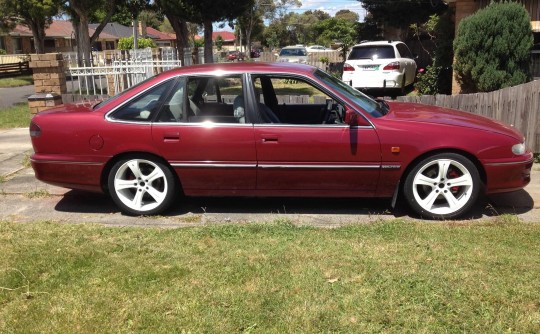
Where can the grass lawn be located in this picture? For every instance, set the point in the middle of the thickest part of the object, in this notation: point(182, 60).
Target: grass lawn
point(22, 80)
point(17, 116)
point(393, 277)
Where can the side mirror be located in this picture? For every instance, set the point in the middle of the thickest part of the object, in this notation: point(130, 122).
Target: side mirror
point(351, 117)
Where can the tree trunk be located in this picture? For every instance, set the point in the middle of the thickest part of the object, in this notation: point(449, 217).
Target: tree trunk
point(38, 32)
point(208, 47)
point(180, 28)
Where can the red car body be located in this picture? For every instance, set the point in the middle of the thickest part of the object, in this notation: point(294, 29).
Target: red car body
point(369, 154)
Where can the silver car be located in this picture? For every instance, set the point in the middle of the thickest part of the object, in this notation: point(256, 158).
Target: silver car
point(293, 54)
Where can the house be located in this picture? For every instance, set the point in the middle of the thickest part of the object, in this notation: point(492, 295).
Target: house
point(60, 37)
point(228, 37)
point(464, 8)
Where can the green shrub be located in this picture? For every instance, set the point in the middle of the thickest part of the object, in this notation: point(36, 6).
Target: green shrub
point(492, 48)
point(126, 43)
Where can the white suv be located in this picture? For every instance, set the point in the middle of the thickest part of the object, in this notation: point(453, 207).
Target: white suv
point(381, 64)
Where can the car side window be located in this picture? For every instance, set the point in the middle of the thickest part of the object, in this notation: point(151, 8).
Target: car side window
point(143, 107)
point(173, 109)
point(404, 51)
point(216, 99)
point(289, 100)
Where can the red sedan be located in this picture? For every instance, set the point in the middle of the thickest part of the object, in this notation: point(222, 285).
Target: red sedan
point(256, 129)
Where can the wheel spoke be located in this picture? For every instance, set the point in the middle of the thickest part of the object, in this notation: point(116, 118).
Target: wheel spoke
point(134, 167)
point(453, 202)
point(156, 194)
point(124, 184)
point(423, 180)
point(427, 203)
point(156, 174)
point(136, 202)
point(462, 181)
point(444, 165)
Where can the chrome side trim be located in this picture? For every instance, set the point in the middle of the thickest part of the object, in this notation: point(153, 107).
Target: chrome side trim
point(60, 162)
point(510, 163)
point(321, 166)
point(212, 165)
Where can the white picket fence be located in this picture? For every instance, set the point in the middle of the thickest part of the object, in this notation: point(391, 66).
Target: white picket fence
point(113, 71)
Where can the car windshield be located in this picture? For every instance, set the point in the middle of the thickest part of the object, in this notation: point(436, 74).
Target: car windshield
point(298, 52)
point(363, 101)
point(372, 52)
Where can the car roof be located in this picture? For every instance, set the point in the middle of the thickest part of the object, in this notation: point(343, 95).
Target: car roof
point(243, 67)
point(379, 43)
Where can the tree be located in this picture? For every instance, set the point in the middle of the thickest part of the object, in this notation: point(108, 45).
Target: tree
point(492, 48)
point(392, 12)
point(336, 30)
point(35, 14)
point(437, 77)
point(80, 11)
point(347, 15)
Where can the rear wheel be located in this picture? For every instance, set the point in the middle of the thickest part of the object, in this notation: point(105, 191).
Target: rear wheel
point(443, 186)
point(141, 185)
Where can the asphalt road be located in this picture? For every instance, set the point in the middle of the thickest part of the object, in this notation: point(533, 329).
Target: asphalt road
point(14, 95)
point(24, 199)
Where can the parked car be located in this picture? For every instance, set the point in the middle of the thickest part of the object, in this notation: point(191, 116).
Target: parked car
point(204, 130)
point(293, 54)
point(236, 56)
point(317, 48)
point(382, 64)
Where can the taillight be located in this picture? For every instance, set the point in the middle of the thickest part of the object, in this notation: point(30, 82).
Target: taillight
point(347, 68)
point(35, 130)
point(392, 66)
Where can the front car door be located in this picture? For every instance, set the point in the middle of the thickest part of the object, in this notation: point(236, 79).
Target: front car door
point(304, 148)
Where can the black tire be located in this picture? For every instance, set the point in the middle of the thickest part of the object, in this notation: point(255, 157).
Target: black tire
point(141, 185)
point(442, 186)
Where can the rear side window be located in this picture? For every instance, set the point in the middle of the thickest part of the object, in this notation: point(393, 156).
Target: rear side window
point(143, 107)
point(372, 52)
point(404, 51)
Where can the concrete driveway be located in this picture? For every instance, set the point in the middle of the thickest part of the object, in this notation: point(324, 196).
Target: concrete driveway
point(24, 199)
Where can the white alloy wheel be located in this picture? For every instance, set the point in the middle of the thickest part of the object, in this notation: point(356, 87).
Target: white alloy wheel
point(443, 186)
point(141, 186)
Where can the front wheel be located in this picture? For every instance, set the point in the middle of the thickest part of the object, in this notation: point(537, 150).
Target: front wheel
point(443, 186)
point(141, 186)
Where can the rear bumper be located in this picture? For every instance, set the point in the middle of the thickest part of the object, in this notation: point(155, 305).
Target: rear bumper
point(380, 80)
point(69, 174)
point(506, 176)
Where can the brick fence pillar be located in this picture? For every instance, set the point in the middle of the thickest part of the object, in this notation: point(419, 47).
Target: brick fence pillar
point(49, 81)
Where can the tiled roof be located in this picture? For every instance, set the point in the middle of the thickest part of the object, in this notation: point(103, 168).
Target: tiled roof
point(114, 29)
point(156, 34)
point(226, 35)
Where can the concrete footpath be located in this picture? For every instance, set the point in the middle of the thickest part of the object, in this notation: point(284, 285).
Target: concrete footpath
point(25, 199)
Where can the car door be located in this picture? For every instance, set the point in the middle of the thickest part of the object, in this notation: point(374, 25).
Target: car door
point(212, 152)
point(326, 157)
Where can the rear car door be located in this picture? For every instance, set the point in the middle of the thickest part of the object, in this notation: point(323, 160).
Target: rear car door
point(210, 148)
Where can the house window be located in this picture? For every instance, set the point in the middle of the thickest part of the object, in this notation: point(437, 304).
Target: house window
point(17, 45)
point(2, 45)
point(535, 60)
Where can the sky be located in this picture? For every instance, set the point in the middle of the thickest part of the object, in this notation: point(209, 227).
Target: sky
point(329, 6)
point(332, 6)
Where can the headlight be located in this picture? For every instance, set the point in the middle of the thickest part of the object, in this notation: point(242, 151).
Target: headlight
point(518, 149)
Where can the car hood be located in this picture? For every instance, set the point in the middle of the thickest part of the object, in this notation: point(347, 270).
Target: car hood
point(422, 113)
